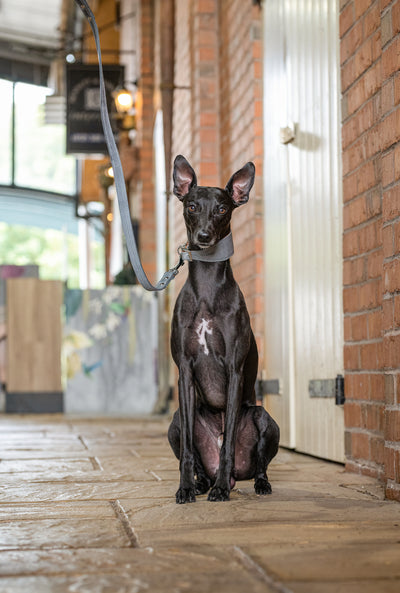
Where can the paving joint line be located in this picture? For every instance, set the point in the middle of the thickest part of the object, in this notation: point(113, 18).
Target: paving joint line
point(360, 489)
point(250, 564)
point(124, 519)
point(95, 461)
point(155, 476)
point(82, 440)
point(135, 453)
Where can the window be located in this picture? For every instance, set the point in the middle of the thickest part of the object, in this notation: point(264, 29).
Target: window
point(56, 252)
point(32, 152)
point(6, 109)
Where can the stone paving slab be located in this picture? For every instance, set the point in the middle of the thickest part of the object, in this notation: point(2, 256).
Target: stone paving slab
point(174, 570)
point(62, 533)
point(83, 477)
point(372, 559)
point(255, 534)
point(233, 581)
point(81, 490)
point(356, 586)
point(88, 506)
point(144, 515)
point(57, 510)
point(44, 444)
point(35, 466)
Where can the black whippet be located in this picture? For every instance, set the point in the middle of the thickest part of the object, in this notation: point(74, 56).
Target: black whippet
point(219, 434)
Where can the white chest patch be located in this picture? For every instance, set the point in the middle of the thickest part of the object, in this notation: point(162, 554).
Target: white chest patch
point(202, 330)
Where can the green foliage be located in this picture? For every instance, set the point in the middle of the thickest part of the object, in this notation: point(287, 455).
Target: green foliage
point(54, 253)
point(126, 276)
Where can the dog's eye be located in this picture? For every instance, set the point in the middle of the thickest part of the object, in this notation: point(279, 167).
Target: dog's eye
point(192, 208)
point(222, 210)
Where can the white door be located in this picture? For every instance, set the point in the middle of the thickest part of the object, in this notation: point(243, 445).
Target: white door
point(303, 228)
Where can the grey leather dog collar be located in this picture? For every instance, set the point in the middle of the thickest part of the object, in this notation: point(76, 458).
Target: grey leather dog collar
point(221, 251)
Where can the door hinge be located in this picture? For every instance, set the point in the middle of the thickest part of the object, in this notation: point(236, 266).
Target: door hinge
point(267, 387)
point(339, 390)
point(328, 388)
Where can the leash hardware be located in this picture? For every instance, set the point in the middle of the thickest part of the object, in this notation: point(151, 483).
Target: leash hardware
point(168, 276)
point(185, 249)
point(175, 269)
point(181, 263)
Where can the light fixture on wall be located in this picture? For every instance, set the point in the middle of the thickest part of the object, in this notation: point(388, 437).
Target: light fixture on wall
point(125, 102)
point(106, 176)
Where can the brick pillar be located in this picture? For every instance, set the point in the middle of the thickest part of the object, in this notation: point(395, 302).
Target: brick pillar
point(205, 91)
point(182, 130)
point(217, 123)
point(147, 235)
point(390, 137)
point(242, 141)
point(196, 104)
point(370, 46)
point(362, 240)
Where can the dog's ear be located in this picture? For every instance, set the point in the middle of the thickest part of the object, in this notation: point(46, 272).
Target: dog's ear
point(240, 184)
point(184, 177)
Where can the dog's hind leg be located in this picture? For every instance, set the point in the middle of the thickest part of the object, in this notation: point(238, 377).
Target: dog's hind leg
point(174, 435)
point(202, 481)
point(267, 448)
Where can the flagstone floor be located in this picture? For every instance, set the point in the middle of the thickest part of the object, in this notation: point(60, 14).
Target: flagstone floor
point(88, 506)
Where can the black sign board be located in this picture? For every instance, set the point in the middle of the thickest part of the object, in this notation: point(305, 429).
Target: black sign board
point(84, 128)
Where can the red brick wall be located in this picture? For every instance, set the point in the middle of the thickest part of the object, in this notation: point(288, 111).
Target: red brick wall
point(205, 91)
point(196, 109)
point(217, 124)
point(182, 123)
point(147, 235)
point(369, 136)
point(390, 146)
point(242, 141)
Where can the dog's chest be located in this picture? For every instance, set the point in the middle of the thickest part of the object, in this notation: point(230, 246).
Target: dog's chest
point(203, 336)
point(204, 330)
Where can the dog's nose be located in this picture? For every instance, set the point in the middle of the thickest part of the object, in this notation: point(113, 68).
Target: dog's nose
point(203, 237)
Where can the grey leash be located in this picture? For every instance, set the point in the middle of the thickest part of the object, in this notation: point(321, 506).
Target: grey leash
point(119, 175)
point(219, 252)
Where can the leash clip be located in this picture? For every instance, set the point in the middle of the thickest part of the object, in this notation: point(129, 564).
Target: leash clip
point(170, 275)
point(181, 263)
point(184, 250)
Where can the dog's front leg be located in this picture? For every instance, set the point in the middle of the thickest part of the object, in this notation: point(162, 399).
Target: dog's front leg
point(187, 402)
point(222, 487)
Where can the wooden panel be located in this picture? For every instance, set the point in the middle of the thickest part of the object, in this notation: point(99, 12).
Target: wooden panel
point(313, 101)
point(34, 335)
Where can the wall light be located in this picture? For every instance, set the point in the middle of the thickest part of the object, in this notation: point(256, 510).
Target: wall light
point(123, 100)
point(105, 175)
point(125, 104)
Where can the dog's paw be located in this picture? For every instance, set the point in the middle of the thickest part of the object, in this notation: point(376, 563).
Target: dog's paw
point(218, 494)
point(262, 486)
point(185, 495)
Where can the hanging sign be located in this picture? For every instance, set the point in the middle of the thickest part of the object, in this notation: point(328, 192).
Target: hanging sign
point(84, 128)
